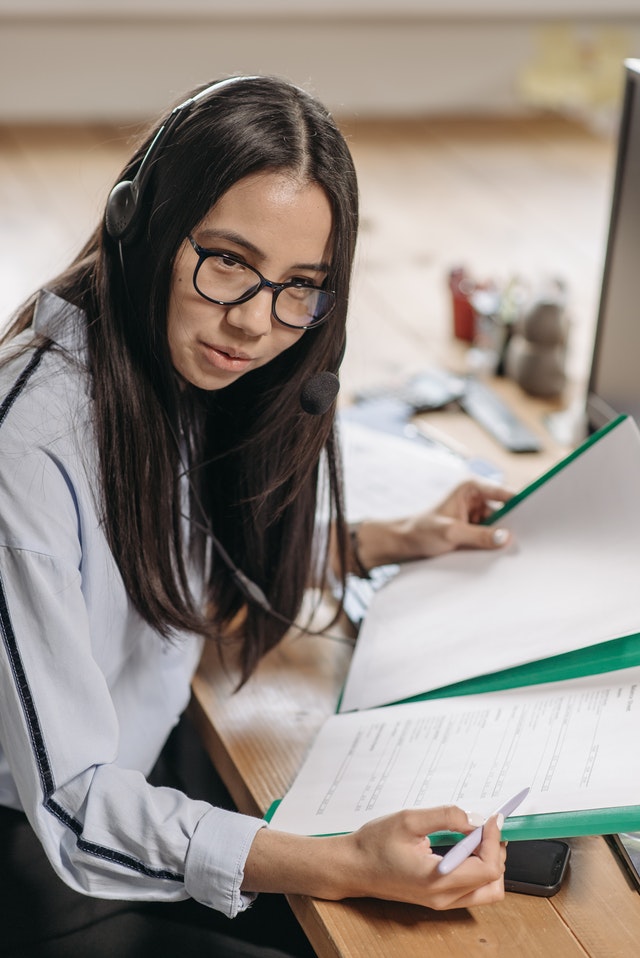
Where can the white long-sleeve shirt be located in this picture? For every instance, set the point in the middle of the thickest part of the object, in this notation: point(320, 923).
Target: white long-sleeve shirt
point(88, 691)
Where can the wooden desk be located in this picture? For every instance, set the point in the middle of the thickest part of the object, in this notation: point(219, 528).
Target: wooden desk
point(258, 738)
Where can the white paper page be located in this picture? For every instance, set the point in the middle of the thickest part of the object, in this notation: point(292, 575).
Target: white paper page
point(569, 580)
point(387, 476)
point(574, 743)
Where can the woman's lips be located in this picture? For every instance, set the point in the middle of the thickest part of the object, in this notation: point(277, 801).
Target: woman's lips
point(229, 360)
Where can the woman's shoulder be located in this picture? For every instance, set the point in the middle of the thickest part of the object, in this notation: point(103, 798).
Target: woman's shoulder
point(45, 385)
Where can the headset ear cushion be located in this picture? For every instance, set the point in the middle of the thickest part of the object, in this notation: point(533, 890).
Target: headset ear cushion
point(121, 209)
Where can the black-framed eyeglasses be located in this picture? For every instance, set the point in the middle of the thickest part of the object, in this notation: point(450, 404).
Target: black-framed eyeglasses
point(227, 280)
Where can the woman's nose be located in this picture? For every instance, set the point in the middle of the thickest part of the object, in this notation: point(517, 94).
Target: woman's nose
point(254, 316)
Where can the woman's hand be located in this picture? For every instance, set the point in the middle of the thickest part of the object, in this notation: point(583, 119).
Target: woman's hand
point(401, 866)
point(454, 524)
point(389, 858)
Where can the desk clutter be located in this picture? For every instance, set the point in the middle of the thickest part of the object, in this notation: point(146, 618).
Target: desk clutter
point(520, 331)
point(391, 410)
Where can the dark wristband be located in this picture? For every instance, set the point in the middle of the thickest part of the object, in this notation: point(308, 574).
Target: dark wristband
point(360, 568)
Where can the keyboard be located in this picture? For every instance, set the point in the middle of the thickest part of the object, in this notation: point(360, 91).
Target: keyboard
point(494, 415)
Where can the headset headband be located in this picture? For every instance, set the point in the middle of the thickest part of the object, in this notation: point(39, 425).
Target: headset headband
point(125, 200)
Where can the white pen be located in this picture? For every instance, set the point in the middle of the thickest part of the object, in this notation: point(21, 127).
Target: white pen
point(460, 852)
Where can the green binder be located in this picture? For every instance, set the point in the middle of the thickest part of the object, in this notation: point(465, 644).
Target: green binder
point(600, 821)
point(608, 656)
point(620, 653)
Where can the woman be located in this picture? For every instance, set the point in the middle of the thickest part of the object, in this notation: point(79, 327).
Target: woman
point(167, 406)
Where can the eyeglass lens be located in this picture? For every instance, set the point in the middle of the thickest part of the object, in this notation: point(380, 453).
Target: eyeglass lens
point(225, 280)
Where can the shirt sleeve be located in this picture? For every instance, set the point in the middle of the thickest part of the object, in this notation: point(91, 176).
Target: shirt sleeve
point(106, 831)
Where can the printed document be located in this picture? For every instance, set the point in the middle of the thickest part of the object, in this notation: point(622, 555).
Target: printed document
point(573, 742)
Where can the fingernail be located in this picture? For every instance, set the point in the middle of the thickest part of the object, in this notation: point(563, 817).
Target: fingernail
point(500, 821)
point(500, 536)
point(475, 819)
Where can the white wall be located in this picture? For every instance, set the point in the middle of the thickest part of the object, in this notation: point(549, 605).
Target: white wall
point(125, 59)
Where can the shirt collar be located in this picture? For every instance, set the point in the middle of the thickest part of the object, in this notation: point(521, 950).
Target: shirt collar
point(60, 321)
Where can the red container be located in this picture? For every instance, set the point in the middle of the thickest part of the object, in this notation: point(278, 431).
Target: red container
point(462, 288)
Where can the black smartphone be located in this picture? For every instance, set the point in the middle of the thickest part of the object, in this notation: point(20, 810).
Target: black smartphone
point(536, 867)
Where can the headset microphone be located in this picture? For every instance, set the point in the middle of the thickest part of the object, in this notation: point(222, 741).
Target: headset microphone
point(319, 391)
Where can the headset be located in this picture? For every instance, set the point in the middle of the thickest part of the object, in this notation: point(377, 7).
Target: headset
point(122, 220)
point(124, 205)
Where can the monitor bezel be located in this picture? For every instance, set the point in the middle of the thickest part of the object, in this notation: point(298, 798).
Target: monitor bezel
point(598, 411)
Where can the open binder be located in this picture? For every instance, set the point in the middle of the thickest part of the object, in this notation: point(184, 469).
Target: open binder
point(376, 756)
point(560, 602)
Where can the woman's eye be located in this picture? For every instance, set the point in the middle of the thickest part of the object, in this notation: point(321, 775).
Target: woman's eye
point(230, 263)
point(227, 264)
point(302, 290)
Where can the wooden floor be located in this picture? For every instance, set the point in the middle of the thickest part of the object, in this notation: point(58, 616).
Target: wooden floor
point(522, 198)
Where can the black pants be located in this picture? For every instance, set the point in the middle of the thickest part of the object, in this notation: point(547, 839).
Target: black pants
point(40, 917)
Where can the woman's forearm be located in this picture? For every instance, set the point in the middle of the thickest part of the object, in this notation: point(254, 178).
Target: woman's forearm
point(389, 858)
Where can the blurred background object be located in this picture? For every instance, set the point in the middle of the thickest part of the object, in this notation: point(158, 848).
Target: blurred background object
point(537, 350)
point(125, 59)
point(469, 147)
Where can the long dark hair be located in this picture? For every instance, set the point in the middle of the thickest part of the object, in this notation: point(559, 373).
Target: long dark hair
point(253, 457)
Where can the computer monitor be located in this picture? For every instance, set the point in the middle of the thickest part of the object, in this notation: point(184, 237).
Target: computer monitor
point(614, 381)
